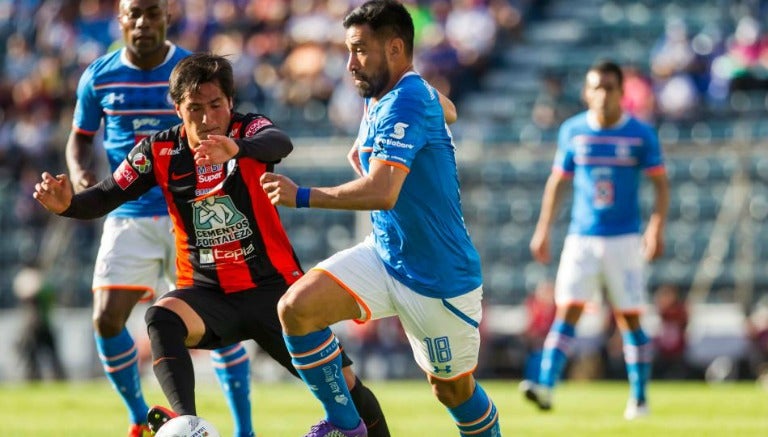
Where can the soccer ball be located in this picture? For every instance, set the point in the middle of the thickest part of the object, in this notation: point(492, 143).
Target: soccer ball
point(187, 426)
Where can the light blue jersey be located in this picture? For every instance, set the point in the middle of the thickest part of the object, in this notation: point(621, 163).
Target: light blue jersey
point(606, 165)
point(423, 240)
point(133, 104)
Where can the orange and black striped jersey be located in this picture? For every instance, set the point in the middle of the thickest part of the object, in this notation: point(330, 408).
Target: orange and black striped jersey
point(228, 234)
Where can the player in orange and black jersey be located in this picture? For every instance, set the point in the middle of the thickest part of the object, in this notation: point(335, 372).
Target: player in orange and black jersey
point(234, 259)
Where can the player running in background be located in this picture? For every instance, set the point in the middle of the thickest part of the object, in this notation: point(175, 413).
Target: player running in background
point(419, 263)
point(234, 257)
point(602, 153)
point(128, 90)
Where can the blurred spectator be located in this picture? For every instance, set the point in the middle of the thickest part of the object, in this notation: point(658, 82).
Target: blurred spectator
point(671, 60)
point(540, 308)
point(37, 344)
point(670, 340)
point(639, 99)
point(744, 66)
point(471, 30)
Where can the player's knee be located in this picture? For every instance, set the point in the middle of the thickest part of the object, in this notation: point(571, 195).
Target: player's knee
point(108, 324)
point(290, 310)
point(162, 321)
point(451, 393)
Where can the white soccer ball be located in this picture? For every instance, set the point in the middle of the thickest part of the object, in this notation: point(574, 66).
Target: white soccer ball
point(187, 426)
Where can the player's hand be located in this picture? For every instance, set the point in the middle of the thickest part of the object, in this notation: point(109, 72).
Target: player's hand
point(54, 193)
point(653, 245)
point(540, 247)
point(280, 189)
point(83, 179)
point(216, 149)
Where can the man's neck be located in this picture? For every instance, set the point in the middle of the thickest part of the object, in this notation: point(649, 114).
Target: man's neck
point(151, 61)
point(397, 75)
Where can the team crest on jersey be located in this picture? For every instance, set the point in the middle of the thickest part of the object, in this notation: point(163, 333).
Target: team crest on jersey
point(255, 126)
point(217, 221)
point(141, 163)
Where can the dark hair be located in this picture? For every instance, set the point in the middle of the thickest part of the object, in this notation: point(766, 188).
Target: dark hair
point(197, 69)
point(387, 19)
point(607, 66)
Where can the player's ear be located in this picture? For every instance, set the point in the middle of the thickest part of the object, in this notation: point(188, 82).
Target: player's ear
point(396, 47)
point(178, 109)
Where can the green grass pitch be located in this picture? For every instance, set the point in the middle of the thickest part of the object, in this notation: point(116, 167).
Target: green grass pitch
point(287, 409)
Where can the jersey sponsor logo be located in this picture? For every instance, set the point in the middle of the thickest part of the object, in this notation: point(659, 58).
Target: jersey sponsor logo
point(204, 179)
point(177, 176)
point(207, 174)
point(125, 175)
point(205, 169)
point(399, 131)
point(395, 143)
point(215, 255)
point(256, 125)
point(171, 150)
point(217, 221)
point(146, 123)
point(141, 163)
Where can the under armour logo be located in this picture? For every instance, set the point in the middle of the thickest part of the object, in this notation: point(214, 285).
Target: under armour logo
point(446, 369)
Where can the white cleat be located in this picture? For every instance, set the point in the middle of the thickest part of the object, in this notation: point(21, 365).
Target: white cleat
point(538, 394)
point(636, 410)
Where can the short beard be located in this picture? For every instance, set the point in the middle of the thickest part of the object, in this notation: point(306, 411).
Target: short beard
point(374, 85)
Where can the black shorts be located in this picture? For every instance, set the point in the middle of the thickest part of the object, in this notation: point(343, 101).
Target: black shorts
point(246, 315)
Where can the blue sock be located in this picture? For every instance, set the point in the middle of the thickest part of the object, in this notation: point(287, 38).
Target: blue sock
point(637, 355)
point(557, 345)
point(232, 368)
point(477, 416)
point(317, 358)
point(120, 360)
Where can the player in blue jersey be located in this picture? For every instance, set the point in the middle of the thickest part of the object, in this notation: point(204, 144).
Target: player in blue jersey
point(418, 264)
point(602, 153)
point(128, 90)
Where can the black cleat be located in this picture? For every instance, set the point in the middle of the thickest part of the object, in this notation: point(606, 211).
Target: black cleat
point(157, 416)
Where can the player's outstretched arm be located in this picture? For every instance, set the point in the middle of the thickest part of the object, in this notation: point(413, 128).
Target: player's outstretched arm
point(378, 190)
point(54, 192)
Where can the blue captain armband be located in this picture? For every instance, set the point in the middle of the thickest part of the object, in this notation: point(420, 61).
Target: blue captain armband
point(302, 197)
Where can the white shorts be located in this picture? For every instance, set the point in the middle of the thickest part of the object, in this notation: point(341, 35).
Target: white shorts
point(590, 264)
point(443, 333)
point(136, 254)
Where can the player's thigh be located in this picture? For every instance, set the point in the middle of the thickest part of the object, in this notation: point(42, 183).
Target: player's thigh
point(624, 270)
point(131, 256)
point(578, 274)
point(443, 333)
point(360, 273)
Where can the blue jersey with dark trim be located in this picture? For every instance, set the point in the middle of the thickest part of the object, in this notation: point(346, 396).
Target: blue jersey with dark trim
point(606, 165)
point(133, 104)
point(423, 240)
